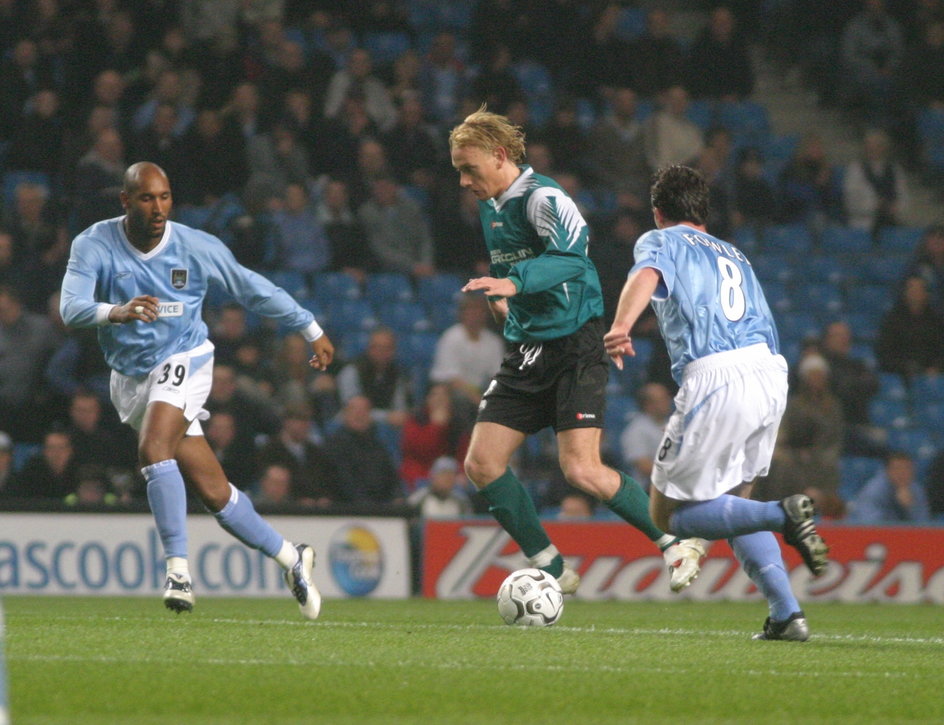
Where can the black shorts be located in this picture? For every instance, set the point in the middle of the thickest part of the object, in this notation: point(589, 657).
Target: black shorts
point(559, 383)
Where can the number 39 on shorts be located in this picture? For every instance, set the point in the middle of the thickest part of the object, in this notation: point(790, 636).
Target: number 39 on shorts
point(174, 373)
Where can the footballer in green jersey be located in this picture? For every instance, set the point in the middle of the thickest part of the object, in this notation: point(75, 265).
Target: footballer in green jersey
point(546, 292)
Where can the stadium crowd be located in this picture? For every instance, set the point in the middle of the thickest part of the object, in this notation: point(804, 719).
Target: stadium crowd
point(310, 136)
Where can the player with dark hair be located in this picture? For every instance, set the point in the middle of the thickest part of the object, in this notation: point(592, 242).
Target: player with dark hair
point(723, 345)
point(547, 293)
point(141, 279)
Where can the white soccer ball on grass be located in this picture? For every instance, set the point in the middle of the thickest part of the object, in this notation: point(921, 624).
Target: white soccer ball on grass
point(530, 598)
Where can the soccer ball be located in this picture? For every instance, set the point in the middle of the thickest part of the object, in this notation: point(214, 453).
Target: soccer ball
point(530, 598)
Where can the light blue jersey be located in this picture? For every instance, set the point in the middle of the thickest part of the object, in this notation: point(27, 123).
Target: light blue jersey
point(106, 270)
point(709, 299)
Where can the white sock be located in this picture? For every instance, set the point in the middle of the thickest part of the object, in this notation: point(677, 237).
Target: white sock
point(178, 565)
point(544, 557)
point(664, 541)
point(288, 555)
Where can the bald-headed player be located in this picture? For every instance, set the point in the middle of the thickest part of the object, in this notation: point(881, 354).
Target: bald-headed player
point(141, 280)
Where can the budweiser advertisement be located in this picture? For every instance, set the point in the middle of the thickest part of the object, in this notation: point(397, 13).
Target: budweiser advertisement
point(470, 558)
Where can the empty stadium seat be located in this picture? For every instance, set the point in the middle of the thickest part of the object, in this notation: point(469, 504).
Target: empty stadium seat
point(386, 47)
point(345, 314)
point(904, 240)
point(798, 325)
point(403, 317)
point(823, 297)
point(292, 282)
point(854, 472)
point(330, 286)
point(891, 386)
point(890, 414)
point(845, 240)
point(386, 288)
point(417, 349)
point(12, 179)
point(441, 288)
point(928, 387)
point(788, 239)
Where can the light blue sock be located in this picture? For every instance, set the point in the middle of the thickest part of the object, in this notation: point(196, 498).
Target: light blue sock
point(239, 518)
point(167, 496)
point(726, 516)
point(760, 557)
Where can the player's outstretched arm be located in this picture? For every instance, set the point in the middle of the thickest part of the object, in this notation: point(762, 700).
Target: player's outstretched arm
point(495, 286)
point(322, 353)
point(636, 294)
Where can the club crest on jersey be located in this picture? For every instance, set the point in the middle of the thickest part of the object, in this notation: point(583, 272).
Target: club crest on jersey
point(178, 278)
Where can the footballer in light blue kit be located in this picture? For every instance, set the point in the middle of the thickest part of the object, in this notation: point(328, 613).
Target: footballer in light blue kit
point(723, 345)
point(141, 280)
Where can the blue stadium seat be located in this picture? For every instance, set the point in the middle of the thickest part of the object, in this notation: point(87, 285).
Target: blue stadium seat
point(884, 269)
point(820, 269)
point(441, 288)
point(929, 414)
point(701, 113)
point(747, 120)
point(404, 317)
point(787, 239)
point(904, 240)
point(928, 387)
point(538, 87)
point(193, 216)
point(891, 386)
point(349, 314)
point(796, 326)
point(331, 286)
point(916, 441)
point(12, 179)
point(845, 240)
point(351, 343)
point(772, 266)
point(864, 326)
point(22, 452)
point(292, 282)
point(631, 23)
point(385, 288)
point(417, 349)
point(826, 298)
point(778, 295)
point(890, 414)
point(854, 472)
point(386, 47)
point(865, 352)
point(871, 298)
point(314, 306)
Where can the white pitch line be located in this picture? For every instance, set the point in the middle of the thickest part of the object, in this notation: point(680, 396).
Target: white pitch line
point(618, 631)
point(412, 665)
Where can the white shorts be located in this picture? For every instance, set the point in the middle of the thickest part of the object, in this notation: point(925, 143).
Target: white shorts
point(183, 380)
point(725, 423)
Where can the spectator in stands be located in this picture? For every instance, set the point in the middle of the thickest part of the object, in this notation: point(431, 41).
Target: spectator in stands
point(443, 498)
point(277, 159)
point(468, 353)
point(168, 91)
point(6, 465)
point(377, 376)
point(911, 335)
point(892, 495)
point(36, 144)
point(612, 255)
point(302, 245)
point(295, 383)
point(349, 251)
point(51, 473)
point(405, 80)
point(928, 263)
point(617, 153)
point(460, 247)
point(98, 179)
point(21, 76)
point(496, 84)
point(875, 190)
point(242, 114)
point(95, 444)
point(217, 159)
point(720, 190)
point(872, 50)
point(753, 201)
point(31, 223)
point(252, 415)
point(809, 442)
point(641, 438)
point(808, 189)
point(442, 79)
point(396, 230)
point(934, 485)
point(412, 146)
point(606, 60)
point(357, 78)
point(854, 384)
point(670, 136)
point(719, 64)
point(922, 71)
point(295, 449)
point(565, 138)
point(292, 70)
point(437, 428)
point(222, 434)
point(365, 471)
point(228, 332)
point(576, 506)
point(372, 164)
point(160, 143)
point(27, 341)
point(275, 487)
point(9, 270)
point(658, 62)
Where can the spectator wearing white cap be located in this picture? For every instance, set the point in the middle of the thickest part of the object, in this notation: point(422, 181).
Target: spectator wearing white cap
point(442, 498)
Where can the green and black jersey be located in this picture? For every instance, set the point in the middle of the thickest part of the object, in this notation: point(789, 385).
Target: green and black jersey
point(537, 238)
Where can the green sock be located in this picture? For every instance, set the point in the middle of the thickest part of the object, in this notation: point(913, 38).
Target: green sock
point(513, 508)
point(631, 504)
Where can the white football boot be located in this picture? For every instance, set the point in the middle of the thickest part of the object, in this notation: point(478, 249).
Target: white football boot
point(684, 561)
point(299, 580)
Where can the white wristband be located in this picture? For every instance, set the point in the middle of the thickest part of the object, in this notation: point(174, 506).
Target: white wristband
point(312, 332)
point(102, 312)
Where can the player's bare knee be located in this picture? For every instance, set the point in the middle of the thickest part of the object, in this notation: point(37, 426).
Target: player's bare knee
point(587, 477)
point(481, 471)
point(152, 450)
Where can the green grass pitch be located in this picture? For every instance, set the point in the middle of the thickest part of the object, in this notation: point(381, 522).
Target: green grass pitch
point(129, 661)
